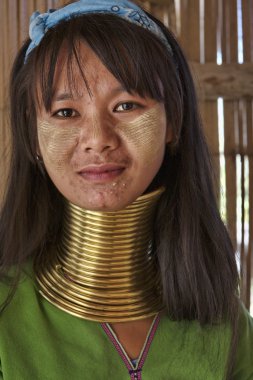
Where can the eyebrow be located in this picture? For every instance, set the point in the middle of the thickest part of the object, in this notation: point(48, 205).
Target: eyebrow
point(68, 96)
point(119, 89)
point(63, 96)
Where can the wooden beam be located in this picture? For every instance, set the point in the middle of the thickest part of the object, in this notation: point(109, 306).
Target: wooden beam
point(156, 2)
point(231, 81)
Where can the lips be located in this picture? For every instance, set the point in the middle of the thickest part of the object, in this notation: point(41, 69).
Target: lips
point(100, 173)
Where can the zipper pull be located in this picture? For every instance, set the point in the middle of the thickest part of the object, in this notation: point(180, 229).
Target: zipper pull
point(134, 373)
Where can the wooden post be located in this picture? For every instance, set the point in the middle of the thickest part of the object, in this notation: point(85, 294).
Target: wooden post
point(229, 54)
point(209, 107)
point(247, 25)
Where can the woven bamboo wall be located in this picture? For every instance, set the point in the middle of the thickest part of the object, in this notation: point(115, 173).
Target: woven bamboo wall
point(212, 31)
point(206, 29)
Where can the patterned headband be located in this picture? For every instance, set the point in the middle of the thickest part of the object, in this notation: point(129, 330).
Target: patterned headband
point(41, 23)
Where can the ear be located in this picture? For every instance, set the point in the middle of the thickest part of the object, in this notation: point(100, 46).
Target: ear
point(37, 145)
point(38, 156)
point(169, 134)
point(38, 153)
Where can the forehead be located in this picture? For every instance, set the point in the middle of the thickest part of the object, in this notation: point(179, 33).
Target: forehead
point(70, 64)
point(82, 73)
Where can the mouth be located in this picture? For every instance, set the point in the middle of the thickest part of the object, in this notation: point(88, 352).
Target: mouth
point(101, 173)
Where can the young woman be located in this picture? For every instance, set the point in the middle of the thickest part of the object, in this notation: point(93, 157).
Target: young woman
point(115, 263)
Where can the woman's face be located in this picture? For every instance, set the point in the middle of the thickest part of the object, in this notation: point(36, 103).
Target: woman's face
point(101, 149)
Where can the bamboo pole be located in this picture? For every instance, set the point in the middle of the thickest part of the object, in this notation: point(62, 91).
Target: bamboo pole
point(247, 25)
point(229, 52)
point(209, 107)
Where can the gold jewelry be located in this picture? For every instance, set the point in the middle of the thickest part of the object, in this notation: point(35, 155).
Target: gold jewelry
point(104, 268)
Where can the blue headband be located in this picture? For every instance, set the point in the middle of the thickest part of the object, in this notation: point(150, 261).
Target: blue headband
point(41, 23)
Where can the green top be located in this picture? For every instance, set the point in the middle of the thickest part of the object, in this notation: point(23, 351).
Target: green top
point(38, 341)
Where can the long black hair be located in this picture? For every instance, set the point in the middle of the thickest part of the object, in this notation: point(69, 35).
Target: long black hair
point(194, 251)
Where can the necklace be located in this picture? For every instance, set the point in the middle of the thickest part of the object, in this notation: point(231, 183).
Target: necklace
point(104, 268)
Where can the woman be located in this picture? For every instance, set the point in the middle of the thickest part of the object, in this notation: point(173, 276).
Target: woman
point(115, 262)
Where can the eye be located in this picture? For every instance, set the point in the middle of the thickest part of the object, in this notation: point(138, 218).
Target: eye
point(127, 106)
point(66, 113)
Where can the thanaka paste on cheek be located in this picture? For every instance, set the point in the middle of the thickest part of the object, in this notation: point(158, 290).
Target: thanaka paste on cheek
point(56, 143)
point(146, 133)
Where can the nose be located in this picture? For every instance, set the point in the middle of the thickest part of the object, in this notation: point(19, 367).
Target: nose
point(98, 135)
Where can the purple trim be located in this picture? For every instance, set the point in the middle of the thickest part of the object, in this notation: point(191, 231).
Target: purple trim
point(149, 341)
point(135, 373)
point(117, 346)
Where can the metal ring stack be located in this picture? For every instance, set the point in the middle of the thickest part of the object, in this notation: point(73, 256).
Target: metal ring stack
point(104, 268)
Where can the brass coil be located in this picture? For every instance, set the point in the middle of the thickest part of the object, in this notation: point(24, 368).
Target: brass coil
point(103, 269)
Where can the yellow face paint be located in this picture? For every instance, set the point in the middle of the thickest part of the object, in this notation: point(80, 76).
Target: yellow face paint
point(56, 142)
point(146, 133)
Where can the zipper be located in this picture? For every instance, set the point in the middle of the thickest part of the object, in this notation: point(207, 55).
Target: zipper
point(135, 372)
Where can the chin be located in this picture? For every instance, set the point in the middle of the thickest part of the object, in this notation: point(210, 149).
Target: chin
point(99, 206)
point(105, 205)
point(104, 201)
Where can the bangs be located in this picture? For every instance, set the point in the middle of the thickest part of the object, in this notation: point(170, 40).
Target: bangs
point(125, 49)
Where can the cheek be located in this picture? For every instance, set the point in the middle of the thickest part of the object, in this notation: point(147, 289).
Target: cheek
point(56, 144)
point(147, 135)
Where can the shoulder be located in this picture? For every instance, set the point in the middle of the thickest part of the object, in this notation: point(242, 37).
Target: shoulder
point(204, 348)
point(245, 322)
point(12, 293)
point(244, 356)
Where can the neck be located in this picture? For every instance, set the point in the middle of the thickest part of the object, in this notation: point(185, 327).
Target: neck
point(104, 269)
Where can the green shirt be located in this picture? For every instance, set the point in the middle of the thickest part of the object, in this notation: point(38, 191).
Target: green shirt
point(38, 341)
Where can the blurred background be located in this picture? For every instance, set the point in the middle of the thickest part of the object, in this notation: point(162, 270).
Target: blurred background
point(217, 37)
